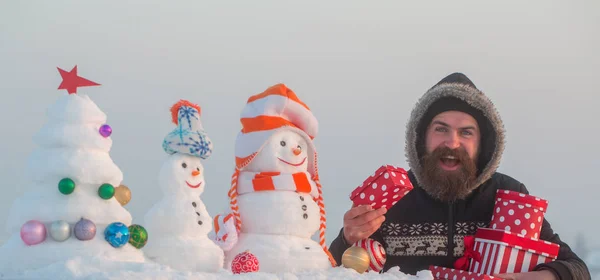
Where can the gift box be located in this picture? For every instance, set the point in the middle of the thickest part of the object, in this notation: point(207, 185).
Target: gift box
point(384, 188)
point(506, 252)
point(444, 273)
point(519, 213)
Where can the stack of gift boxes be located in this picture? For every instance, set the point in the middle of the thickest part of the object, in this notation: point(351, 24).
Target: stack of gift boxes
point(510, 245)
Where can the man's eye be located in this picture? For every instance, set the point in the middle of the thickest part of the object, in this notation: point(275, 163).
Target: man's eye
point(441, 129)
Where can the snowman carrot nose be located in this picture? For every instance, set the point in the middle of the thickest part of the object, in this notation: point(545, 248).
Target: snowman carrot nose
point(195, 173)
point(296, 151)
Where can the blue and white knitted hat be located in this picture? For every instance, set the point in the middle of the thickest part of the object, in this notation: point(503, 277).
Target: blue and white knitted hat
point(188, 137)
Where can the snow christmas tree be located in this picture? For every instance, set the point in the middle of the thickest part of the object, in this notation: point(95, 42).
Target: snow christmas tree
point(74, 207)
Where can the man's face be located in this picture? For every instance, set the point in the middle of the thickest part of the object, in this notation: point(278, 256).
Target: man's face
point(453, 129)
point(452, 146)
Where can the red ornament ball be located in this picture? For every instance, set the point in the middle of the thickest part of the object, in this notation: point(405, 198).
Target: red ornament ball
point(244, 262)
point(376, 253)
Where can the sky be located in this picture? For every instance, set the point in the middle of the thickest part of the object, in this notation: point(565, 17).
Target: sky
point(359, 65)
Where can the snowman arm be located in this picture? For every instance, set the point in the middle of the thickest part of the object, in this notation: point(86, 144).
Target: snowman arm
point(224, 233)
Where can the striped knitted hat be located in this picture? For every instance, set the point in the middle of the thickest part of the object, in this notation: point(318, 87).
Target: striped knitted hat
point(275, 109)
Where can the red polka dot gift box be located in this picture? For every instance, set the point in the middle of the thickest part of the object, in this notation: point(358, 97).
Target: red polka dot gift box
point(384, 188)
point(519, 213)
point(444, 273)
point(499, 251)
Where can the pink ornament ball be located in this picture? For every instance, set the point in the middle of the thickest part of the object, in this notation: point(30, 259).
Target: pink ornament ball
point(244, 262)
point(33, 232)
point(105, 130)
point(376, 253)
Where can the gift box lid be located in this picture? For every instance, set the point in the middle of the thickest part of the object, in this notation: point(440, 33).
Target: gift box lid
point(398, 175)
point(510, 239)
point(521, 198)
point(440, 272)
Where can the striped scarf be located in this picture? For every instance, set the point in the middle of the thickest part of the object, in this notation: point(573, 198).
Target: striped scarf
point(270, 181)
point(235, 214)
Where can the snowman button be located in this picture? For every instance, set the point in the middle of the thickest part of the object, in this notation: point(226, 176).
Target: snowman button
point(194, 204)
point(304, 207)
point(197, 213)
point(200, 223)
point(302, 198)
point(307, 248)
point(305, 216)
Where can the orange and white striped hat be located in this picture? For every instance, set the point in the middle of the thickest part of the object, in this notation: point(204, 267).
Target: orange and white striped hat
point(266, 113)
point(276, 108)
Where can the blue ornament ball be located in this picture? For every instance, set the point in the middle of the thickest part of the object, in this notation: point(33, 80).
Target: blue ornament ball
point(117, 234)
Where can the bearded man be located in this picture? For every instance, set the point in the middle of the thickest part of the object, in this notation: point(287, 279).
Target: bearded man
point(454, 142)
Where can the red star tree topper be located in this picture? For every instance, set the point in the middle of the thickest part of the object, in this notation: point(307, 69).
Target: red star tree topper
point(71, 81)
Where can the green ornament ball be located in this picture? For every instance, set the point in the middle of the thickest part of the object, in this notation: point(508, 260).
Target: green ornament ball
point(106, 191)
point(66, 186)
point(138, 236)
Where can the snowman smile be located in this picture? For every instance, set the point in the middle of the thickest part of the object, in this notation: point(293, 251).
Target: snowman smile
point(292, 164)
point(193, 186)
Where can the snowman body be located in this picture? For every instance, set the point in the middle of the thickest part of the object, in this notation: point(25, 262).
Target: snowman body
point(179, 222)
point(278, 225)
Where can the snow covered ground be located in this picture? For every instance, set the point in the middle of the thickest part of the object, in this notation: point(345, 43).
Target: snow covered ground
point(93, 269)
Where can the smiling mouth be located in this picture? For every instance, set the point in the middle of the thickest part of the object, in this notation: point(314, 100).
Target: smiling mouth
point(297, 164)
point(193, 186)
point(450, 162)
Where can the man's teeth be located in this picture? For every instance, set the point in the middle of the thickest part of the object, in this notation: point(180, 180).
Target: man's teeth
point(450, 157)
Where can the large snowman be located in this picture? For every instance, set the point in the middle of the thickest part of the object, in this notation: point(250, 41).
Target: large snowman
point(276, 203)
point(179, 222)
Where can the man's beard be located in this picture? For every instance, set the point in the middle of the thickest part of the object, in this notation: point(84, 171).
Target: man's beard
point(448, 185)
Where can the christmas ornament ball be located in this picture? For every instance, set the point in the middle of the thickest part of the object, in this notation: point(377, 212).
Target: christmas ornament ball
point(138, 236)
point(244, 262)
point(105, 130)
point(123, 194)
point(33, 232)
point(84, 229)
point(117, 234)
point(60, 230)
point(356, 258)
point(376, 253)
point(66, 186)
point(106, 191)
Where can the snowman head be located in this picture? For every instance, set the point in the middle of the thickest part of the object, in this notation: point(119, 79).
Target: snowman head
point(286, 151)
point(182, 174)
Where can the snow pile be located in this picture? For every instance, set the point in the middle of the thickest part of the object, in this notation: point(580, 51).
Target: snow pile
point(96, 268)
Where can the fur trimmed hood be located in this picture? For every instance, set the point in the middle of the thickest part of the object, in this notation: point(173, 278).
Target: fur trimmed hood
point(458, 87)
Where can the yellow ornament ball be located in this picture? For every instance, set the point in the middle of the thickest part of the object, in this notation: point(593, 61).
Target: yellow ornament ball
point(123, 194)
point(356, 258)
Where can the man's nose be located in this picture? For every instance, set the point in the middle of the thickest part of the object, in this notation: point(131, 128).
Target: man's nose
point(453, 141)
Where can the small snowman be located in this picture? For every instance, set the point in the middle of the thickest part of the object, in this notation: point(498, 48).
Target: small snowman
point(276, 203)
point(179, 222)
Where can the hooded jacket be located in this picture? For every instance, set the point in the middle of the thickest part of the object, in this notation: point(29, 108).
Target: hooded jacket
point(421, 230)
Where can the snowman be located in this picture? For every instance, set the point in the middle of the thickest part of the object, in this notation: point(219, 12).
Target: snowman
point(276, 204)
point(179, 222)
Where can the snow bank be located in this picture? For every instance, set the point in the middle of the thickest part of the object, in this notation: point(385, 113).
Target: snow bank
point(93, 268)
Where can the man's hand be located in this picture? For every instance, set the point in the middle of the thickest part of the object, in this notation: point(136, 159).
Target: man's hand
point(534, 275)
point(362, 221)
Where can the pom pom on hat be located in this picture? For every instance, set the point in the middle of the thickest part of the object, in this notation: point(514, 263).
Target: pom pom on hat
point(188, 137)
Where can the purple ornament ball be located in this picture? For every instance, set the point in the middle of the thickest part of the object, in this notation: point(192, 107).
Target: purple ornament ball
point(33, 232)
point(105, 130)
point(84, 229)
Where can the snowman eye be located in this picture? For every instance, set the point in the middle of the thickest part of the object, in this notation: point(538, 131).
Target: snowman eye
point(299, 147)
point(198, 168)
point(184, 165)
point(282, 143)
